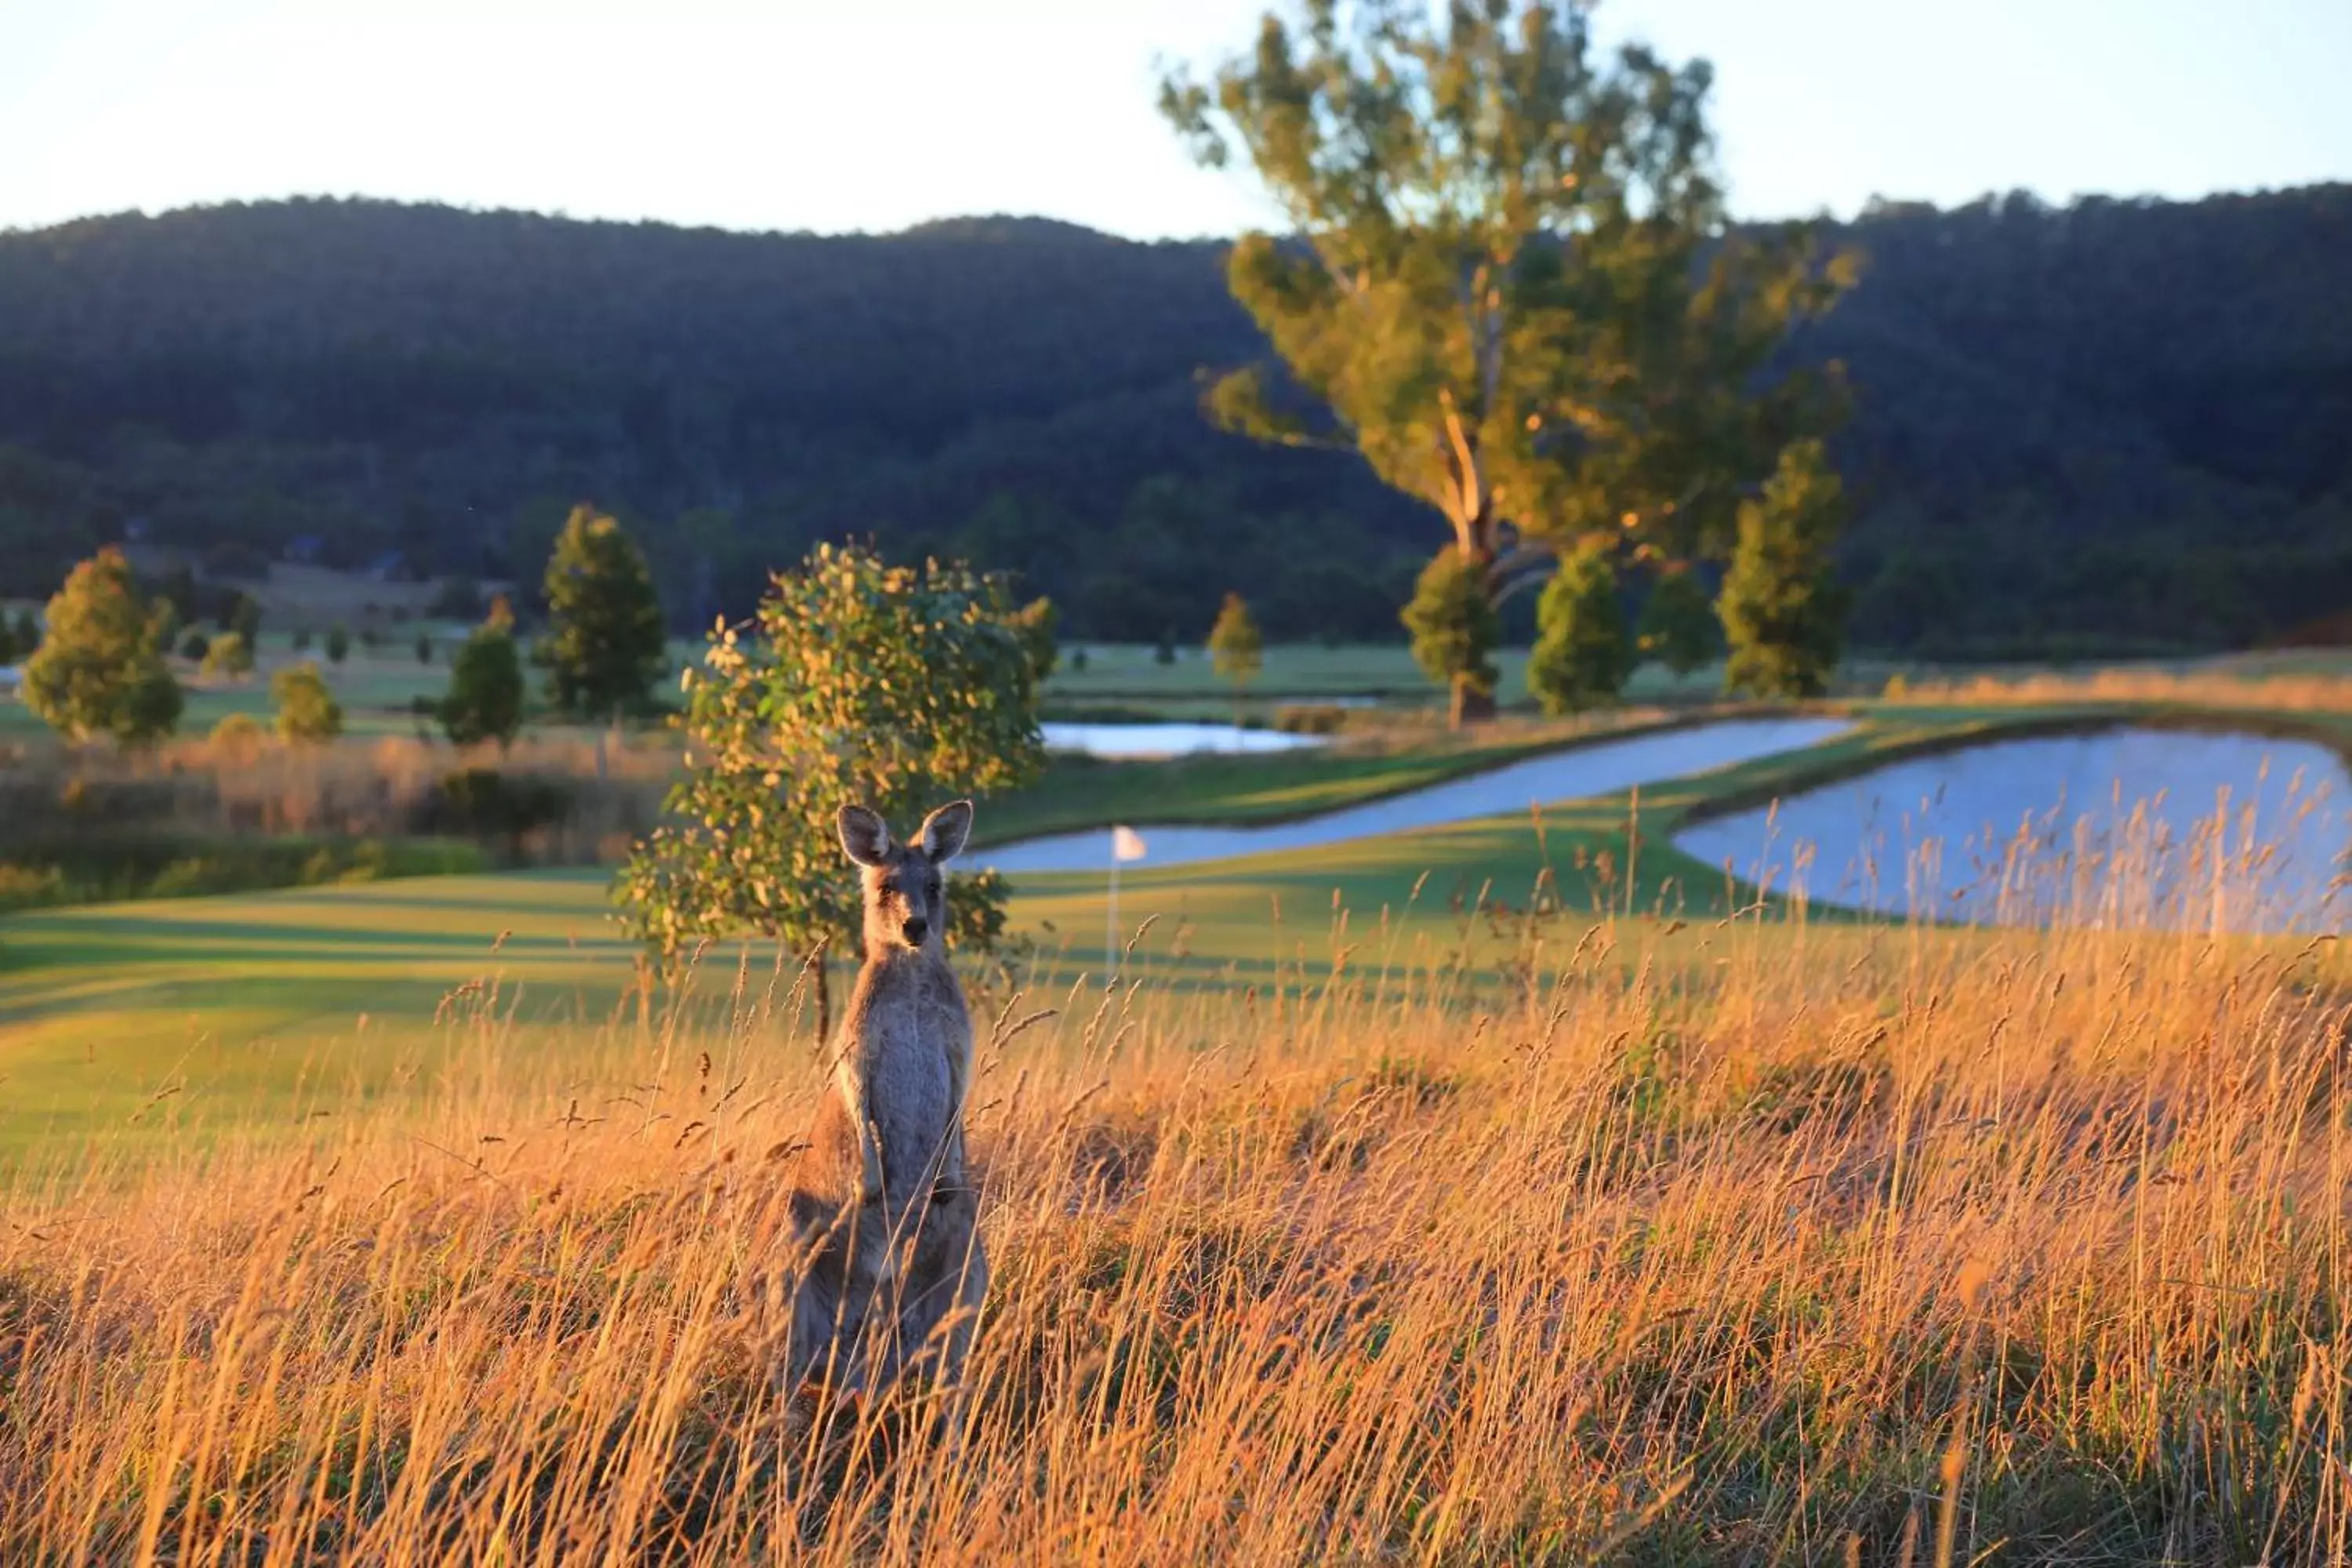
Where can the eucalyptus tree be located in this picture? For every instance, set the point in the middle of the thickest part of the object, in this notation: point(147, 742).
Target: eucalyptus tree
point(1505, 279)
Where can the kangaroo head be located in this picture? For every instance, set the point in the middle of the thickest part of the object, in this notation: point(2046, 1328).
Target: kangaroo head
point(906, 905)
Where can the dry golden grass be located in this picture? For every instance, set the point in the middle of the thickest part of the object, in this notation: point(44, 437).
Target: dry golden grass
point(1745, 1243)
point(355, 786)
point(2248, 685)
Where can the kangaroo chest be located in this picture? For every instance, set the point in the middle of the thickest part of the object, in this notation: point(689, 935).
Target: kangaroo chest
point(911, 1031)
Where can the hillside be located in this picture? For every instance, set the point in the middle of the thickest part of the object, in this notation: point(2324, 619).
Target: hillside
point(2110, 427)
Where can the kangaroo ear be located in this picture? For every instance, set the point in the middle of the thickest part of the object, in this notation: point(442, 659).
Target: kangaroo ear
point(864, 836)
point(945, 830)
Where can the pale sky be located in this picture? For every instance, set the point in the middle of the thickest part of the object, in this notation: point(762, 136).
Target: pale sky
point(792, 115)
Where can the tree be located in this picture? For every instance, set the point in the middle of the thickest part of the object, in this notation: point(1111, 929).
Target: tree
point(483, 702)
point(195, 646)
point(339, 644)
point(8, 643)
point(308, 712)
point(1583, 655)
point(1236, 651)
point(301, 639)
point(1782, 614)
point(424, 647)
point(28, 634)
point(855, 682)
point(1507, 277)
point(1454, 631)
point(99, 671)
point(603, 646)
point(1678, 625)
point(242, 615)
point(229, 657)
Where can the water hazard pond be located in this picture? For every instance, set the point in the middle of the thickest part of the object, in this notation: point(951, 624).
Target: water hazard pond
point(1603, 767)
point(2120, 827)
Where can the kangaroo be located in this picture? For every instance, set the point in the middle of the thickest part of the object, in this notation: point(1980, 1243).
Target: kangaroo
point(882, 1204)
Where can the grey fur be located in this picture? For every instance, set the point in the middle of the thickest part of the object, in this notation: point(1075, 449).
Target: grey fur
point(885, 1207)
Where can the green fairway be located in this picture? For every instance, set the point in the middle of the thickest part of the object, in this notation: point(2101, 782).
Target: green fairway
point(117, 1017)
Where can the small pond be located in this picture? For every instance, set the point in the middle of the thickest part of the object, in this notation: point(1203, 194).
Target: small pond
point(2122, 827)
point(1168, 740)
point(1603, 767)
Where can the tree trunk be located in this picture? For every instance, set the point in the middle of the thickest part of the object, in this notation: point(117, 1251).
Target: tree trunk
point(1470, 704)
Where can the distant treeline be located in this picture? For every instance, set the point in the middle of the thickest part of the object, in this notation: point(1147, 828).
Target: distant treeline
point(2112, 426)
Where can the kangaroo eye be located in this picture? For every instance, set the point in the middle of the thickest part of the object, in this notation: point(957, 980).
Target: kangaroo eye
point(933, 887)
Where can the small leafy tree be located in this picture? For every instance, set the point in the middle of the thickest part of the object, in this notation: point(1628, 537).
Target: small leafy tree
point(339, 645)
point(1782, 614)
point(486, 688)
point(1236, 651)
point(8, 653)
point(308, 712)
point(230, 656)
point(1454, 631)
point(855, 682)
point(243, 617)
point(195, 646)
point(301, 639)
point(603, 646)
point(424, 647)
point(28, 634)
point(1678, 625)
point(99, 670)
point(1583, 654)
point(1163, 652)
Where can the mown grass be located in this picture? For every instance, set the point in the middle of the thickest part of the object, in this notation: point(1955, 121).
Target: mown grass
point(1751, 1242)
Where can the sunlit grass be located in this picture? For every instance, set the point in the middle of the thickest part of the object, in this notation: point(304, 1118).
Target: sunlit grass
point(1655, 1245)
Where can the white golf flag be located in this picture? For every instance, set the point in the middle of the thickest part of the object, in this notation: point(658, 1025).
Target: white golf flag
point(1125, 843)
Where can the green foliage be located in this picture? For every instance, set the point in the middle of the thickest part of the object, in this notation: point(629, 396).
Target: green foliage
point(858, 682)
point(195, 646)
point(1035, 622)
point(1581, 655)
point(1679, 629)
point(98, 670)
point(1455, 630)
point(301, 639)
point(1508, 277)
point(8, 643)
point(1236, 651)
point(424, 647)
point(603, 646)
point(308, 712)
point(486, 687)
point(1782, 614)
point(339, 644)
point(28, 634)
point(229, 657)
point(1163, 652)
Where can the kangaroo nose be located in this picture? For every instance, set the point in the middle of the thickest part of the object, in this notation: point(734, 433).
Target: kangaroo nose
point(915, 930)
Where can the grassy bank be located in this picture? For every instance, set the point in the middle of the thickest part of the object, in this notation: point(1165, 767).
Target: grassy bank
point(1745, 1243)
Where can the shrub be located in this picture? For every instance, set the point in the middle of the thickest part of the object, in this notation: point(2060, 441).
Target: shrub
point(230, 656)
point(1581, 656)
point(1454, 631)
point(308, 712)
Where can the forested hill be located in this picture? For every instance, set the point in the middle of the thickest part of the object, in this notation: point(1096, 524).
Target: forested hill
point(2107, 427)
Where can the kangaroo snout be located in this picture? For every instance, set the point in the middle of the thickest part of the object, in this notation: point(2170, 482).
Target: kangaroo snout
point(915, 931)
